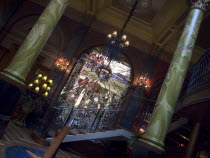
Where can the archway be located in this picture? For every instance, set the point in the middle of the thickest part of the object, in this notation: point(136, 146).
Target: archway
point(95, 90)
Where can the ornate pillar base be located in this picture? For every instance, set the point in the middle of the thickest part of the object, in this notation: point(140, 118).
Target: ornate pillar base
point(9, 95)
point(144, 150)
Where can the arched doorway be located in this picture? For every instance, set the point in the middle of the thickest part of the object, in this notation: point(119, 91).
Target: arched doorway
point(95, 90)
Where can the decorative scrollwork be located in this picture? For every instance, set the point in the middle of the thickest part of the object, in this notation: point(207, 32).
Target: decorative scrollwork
point(200, 4)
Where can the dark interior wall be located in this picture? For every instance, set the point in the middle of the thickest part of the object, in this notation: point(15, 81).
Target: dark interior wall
point(159, 71)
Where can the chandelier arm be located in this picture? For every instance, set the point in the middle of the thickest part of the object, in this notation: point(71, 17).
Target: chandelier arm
point(129, 16)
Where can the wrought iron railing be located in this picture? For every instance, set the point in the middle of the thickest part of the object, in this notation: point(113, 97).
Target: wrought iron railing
point(201, 73)
point(86, 118)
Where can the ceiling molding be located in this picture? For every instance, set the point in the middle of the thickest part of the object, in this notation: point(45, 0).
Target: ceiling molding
point(135, 28)
point(164, 30)
point(167, 17)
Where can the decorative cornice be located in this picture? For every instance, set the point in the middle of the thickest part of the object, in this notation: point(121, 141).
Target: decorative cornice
point(200, 4)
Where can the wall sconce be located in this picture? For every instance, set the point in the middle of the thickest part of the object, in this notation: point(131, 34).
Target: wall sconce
point(62, 64)
point(144, 81)
point(41, 85)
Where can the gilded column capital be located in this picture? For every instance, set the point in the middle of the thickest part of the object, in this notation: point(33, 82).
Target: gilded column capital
point(200, 4)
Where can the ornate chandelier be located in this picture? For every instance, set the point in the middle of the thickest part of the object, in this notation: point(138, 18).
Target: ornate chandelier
point(62, 63)
point(117, 44)
point(144, 81)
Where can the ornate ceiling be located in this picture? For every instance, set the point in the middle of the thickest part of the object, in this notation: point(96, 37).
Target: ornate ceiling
point(146, 9)
point(159, 24)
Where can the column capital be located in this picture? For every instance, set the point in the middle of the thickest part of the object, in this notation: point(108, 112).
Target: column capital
point(200, 4)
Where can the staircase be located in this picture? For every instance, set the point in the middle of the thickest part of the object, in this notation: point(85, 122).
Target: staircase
point(78, 135)
point(17, 136)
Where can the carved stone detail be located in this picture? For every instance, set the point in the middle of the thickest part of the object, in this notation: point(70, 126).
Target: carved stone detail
point(200, 4)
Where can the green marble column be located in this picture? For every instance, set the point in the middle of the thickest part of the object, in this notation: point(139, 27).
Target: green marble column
point(167, 99)
point(34, 42)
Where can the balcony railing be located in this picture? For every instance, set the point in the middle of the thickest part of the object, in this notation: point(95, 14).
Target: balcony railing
point(86, 118)
point(201, 73)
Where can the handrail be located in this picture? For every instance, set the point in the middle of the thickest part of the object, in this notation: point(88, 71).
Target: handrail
point(201, 73)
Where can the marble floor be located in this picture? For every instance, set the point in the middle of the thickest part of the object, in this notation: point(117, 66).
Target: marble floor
point(17, 143)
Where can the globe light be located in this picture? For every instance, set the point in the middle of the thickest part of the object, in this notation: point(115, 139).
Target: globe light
point(127, 43)
point(39, 76)
point(48, 88)
point(44, 85)
point(109, 36)
point(37, 89)
point(50, 81)
point(46, 94)
point(114, 33)
point(30, 85)
point(36, 81)
point(124, 37)
point(44, 78)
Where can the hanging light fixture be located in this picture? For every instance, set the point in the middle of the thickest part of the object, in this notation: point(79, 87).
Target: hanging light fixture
point(117, 43)
point(62, 63)
point(144, 81)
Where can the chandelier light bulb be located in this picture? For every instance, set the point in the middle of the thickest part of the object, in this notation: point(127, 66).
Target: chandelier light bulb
point(124, 37)
point(109, 36)
point(44, 85)
point(67, 62)
point(50, 81)
point(36, 81)
point(46, 94)
point(115, 33)
point(39, 76)
point(61, 59)
point(48, 88)
point(44, 78)
point(30, 85)
point(37, 89)
point(127, 43)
